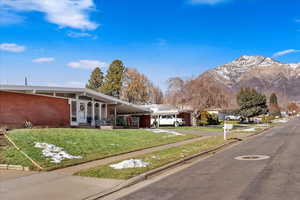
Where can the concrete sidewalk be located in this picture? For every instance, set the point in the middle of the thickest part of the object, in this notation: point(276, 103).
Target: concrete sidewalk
point(50, 185)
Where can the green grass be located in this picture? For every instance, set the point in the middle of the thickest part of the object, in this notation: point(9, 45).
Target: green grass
point(199, 128)
point(91, 144)
point(156, 159)
point(10, 155)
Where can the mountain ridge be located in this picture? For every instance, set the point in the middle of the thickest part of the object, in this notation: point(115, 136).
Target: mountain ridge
point(265, 74)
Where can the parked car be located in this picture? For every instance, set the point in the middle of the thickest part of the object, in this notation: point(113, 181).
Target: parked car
point(167, 120)
point(233, 118)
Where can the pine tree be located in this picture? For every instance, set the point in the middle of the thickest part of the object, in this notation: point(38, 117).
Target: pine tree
point(113, 81)
point(273, 99)
point(251, 102)
point(96, 79)
point(273, 106)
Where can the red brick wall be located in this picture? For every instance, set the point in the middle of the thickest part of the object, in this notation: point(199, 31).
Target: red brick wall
point(15, 108)
point(186, 117)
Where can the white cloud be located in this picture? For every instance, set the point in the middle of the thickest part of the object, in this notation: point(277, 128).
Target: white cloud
point(43, 60)
point(65, 13)
point(87, 64)
point(78, 34)
point(211, 2)
point(7, 17)
point(82, 35)
point(12, 47)
point(284, 52)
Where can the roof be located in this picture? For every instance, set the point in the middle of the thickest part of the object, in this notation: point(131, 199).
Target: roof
point(165, 109)
point(123, 106)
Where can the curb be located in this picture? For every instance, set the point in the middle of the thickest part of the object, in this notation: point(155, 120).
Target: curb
point(13, 167)
point(144, 176)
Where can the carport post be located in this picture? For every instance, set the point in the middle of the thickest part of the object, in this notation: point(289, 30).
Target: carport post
point(115, 115)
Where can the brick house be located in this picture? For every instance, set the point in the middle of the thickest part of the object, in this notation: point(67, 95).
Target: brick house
point(65, 107)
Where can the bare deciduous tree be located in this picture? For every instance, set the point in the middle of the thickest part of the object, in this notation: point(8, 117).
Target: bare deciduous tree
point(138, 89)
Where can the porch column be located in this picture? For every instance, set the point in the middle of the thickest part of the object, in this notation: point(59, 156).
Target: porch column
point(100, 111)
point(86, 111)
point(70, 103)
point(93, 123)
point(106, 111)
point(77, 108)
point(115, 118)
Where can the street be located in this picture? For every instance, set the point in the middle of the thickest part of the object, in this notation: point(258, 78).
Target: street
point(223, 177)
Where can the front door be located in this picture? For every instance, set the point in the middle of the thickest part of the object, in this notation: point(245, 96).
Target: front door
point(82, 113)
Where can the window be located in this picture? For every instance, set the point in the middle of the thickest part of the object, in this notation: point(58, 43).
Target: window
point(74, 111)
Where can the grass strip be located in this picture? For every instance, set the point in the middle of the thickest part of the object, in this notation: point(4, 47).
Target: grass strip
point(155, 159)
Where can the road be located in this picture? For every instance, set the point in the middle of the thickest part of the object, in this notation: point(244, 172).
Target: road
point(221, 177)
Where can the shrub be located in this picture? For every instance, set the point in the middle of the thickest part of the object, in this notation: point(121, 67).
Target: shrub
point(267, 119)
point(207, 119)
point(28, 124)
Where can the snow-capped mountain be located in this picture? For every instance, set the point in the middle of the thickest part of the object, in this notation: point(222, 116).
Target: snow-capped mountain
point(263, 73)
point(235, 69)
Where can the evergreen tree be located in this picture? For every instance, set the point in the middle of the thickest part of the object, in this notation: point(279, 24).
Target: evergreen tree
point(273, 106)
point(251, 103)
point(113, 80)
point(273, 99)
point(96, 79)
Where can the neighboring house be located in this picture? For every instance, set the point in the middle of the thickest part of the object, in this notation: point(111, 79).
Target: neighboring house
point(65, 107)
point(167, 114)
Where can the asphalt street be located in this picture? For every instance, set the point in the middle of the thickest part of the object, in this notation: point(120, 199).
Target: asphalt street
point(222, 177)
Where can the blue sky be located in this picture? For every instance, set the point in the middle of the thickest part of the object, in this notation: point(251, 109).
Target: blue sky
point(58, 42)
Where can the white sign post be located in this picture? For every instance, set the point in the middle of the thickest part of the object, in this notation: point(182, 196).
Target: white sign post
point(227, 127)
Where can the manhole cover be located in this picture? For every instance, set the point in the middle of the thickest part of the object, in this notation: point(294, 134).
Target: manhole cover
point(252, 157)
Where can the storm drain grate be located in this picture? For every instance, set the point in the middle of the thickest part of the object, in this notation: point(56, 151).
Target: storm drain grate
point(252, 157)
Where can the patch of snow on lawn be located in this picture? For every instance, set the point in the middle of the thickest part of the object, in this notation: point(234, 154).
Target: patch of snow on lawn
point(132, 163)
point(249, 130)
point(280, 121)
point(57, 154)
point(262, 125)
point(172, 133)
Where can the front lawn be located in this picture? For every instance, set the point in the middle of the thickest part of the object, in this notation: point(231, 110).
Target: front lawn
point(155, 159)
point(10, 155)
point(91, 144)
